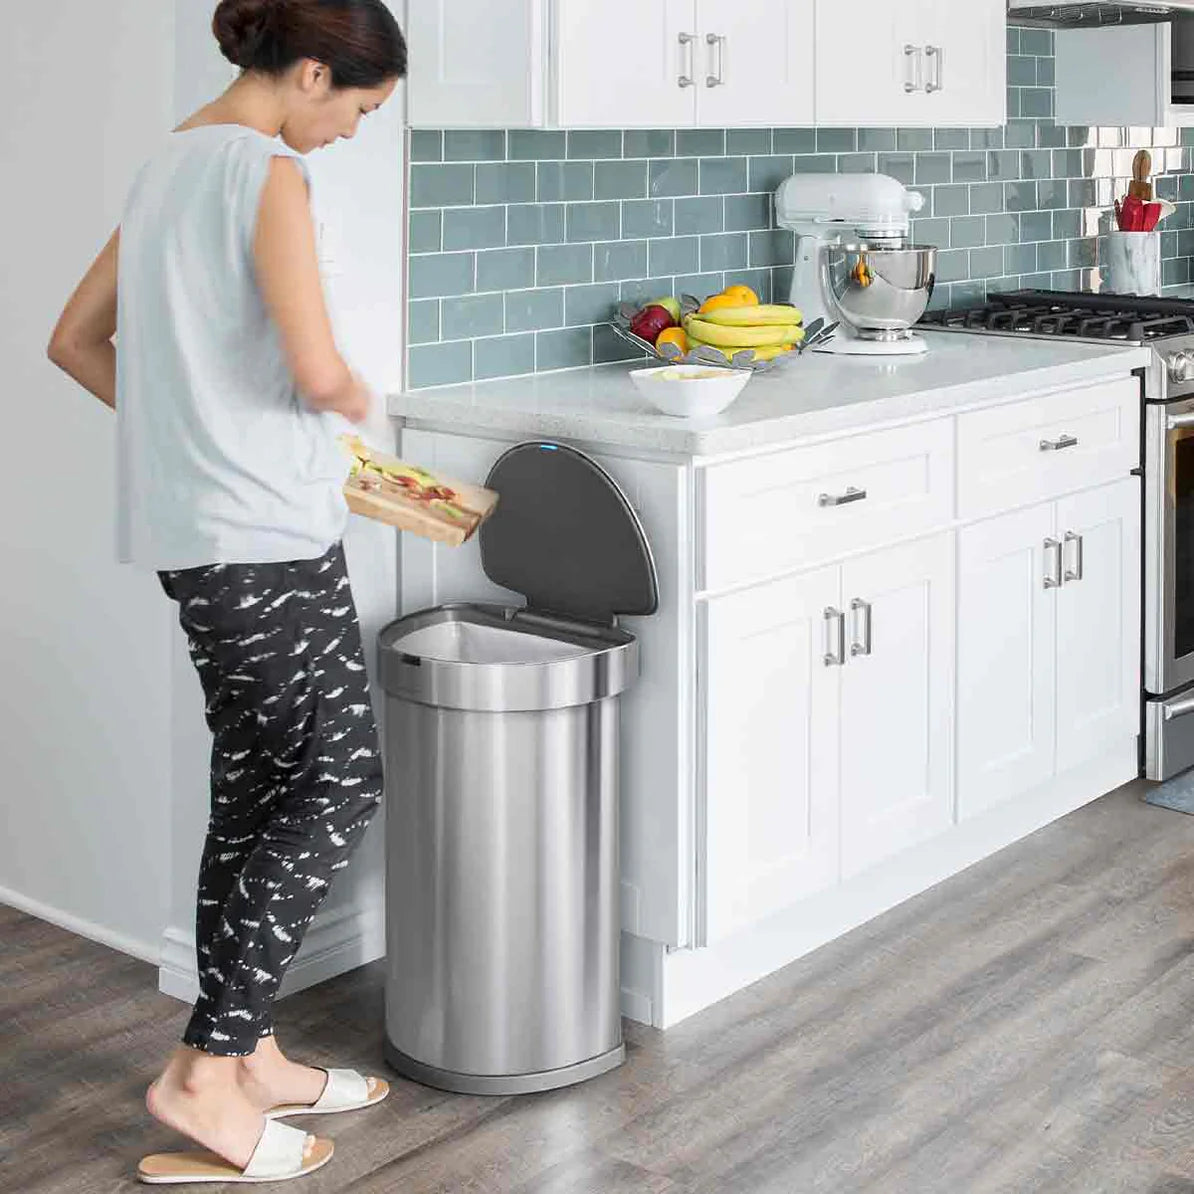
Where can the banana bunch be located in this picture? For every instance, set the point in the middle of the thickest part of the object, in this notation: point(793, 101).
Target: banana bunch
point(758, 327)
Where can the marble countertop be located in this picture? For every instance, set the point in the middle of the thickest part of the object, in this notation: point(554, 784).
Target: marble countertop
point(818, 394)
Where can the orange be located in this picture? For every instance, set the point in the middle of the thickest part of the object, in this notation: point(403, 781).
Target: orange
point(743, 295)
point(674, 336)
point(717, 301)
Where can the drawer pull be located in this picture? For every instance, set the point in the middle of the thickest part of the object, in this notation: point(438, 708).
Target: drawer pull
point(1056, 445)
point(842, 499)
point(835, 637)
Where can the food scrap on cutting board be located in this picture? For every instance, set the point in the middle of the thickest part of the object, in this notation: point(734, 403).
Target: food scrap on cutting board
point(402, 495)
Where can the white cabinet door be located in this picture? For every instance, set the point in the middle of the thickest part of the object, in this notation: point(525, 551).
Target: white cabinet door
point(897, 701)
point(619, 63)
point(771, 741)
point(476, 64)
point(911, 62)
point(861, 66)
point(965, 63)
point(1006, 658)
point(1098, 622)
point(756, 62)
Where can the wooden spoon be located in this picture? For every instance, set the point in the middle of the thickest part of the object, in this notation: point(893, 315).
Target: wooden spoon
point(1142, 167)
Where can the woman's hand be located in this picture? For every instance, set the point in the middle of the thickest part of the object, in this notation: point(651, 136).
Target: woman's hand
point(358, 402)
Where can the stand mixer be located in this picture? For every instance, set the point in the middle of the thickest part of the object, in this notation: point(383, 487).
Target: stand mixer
point(854, 264)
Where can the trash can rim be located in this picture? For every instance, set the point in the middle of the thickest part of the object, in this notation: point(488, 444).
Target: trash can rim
point(481, 613)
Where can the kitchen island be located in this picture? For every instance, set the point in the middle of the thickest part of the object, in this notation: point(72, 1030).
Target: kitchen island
point(899, 628)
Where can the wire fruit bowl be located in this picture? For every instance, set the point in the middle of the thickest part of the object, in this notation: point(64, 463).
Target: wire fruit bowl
point(744, 358)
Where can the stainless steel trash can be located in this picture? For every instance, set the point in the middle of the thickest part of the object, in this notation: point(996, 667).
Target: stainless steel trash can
point(502, 896)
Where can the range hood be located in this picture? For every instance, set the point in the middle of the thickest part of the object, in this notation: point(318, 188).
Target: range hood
point(1089, 14)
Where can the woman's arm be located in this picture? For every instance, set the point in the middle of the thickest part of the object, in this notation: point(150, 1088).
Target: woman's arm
point(288, 274)
point(82, 342)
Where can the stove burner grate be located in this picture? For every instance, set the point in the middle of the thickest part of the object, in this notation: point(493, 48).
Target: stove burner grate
point(1085, 316)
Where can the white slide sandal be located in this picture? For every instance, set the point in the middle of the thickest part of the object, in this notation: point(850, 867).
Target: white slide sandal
point(279, 1156)
point(345, 1090)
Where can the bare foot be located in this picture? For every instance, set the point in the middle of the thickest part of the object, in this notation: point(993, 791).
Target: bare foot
point(268, 1078)
point(198, 1095)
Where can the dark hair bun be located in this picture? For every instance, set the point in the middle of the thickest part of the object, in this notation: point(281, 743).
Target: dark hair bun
point(246, 30)
point(359, 40)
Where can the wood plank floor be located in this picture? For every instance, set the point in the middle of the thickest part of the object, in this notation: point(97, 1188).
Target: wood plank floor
point(1026, 1026)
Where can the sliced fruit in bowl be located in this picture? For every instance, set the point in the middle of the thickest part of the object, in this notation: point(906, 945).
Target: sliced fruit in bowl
point(690, 391)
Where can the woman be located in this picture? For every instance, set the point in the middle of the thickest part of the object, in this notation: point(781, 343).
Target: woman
point(229, 392)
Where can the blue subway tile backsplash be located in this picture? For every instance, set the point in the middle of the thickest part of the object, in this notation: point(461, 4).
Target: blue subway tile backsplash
point(523, 241)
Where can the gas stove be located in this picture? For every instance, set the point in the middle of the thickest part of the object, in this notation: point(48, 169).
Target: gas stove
point(1165, 325)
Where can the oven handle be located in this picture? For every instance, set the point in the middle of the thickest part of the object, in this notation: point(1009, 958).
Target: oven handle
point(1173, 422)
point(1178, 709)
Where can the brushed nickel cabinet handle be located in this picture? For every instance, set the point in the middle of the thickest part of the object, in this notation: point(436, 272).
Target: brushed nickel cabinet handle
point(842, 499)
point(688, 42)
point(936, 55)
point(1075, 573)
point(863, 612)
point(1058, 445)
point(915, 72)
point(1052, 576)
point(717, 56)
point(835, 637)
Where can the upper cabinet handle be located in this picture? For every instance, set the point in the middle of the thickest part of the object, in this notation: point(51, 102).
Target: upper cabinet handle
point(688, 44)
point(717, 57)
point(1057, 445)
point(936, 55)
point(916, 71)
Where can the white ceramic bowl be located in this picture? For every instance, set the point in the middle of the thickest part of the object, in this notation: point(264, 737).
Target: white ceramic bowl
point(690, 391)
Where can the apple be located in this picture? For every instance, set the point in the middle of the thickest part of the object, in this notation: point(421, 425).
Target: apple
point(668, 304)
point(650, 321)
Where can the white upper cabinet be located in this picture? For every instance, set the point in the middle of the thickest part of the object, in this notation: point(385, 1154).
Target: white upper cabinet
point(717, 63)
point(911, 63)
point(755, 62)
point(476, 64)
point(622, 63)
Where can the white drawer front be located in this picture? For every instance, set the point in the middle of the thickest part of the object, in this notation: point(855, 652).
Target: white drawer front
point(1030, 451)
point(773, 514)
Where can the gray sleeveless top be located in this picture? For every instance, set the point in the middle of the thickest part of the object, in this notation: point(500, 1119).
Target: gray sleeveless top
point(219, 459)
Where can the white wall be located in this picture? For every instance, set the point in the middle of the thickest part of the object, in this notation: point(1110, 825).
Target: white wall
point(103, 748)
point(84, 649)
point(358, 194)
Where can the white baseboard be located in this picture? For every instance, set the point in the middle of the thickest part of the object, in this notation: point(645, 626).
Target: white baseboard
point(669, 986)
point(341, 939)
point(77, 924)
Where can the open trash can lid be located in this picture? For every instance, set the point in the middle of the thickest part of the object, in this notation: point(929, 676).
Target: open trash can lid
point(565, 536)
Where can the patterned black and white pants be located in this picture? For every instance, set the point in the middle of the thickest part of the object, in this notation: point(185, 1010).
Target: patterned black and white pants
point(295, 773)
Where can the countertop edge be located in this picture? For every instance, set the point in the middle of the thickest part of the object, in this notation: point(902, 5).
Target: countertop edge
point(432, 408)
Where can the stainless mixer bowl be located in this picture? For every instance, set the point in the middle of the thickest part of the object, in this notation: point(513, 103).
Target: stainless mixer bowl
point(881, 291)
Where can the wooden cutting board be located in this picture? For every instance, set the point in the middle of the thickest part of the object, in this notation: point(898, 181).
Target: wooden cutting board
point(402, 495)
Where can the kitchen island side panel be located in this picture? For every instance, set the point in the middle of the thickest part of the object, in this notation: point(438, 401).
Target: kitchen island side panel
point(657, 799)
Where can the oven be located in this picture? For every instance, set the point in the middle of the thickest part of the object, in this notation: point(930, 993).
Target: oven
point(1169, 587)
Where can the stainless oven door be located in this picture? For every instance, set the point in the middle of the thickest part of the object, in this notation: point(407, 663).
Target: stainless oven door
point(1169, 546)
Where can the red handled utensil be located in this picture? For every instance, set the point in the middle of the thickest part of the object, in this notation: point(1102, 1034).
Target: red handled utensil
point(1152, 215)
